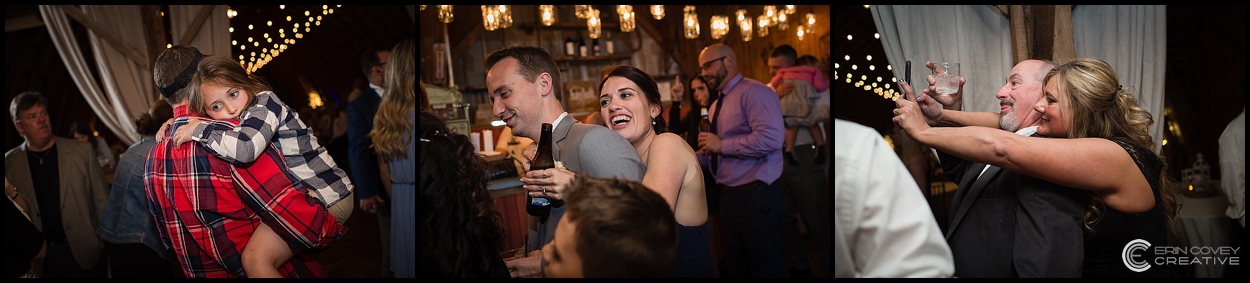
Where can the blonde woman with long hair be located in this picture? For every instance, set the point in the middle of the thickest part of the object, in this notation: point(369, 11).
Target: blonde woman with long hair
point(393, 140)
point(1099, 143)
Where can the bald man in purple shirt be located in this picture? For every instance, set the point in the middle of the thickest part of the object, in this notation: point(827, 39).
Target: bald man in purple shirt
point(744, 153)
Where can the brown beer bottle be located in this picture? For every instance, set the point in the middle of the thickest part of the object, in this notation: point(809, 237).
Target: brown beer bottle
point(539, 206)
point(706, 126)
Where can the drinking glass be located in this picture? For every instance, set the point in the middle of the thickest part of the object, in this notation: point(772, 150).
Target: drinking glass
point(948, 82)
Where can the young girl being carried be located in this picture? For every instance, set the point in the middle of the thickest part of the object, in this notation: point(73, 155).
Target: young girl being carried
point(223, 90)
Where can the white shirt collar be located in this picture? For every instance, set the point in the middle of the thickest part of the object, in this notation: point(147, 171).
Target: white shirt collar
point(1027, 131)
point(556, 124)
point(377, 89)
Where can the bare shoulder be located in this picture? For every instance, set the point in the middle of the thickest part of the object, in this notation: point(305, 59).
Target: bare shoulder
point(671, 143)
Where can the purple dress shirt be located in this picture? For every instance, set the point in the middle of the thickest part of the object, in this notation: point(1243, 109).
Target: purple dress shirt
point(751, 131)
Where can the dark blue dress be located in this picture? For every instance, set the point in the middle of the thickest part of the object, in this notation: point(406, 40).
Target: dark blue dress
point(694, 259)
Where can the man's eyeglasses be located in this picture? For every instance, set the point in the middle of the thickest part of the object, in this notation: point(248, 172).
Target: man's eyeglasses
point(709, 63)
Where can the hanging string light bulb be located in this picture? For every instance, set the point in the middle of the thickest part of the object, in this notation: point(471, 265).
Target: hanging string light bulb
point(444, 14)
point(692, 23)
point(627, 17)
point(657, 11)
point(490, 17)
point(789, 10)
point(720, 26)
point(781, 21)
point(504, 12)
point(582, 11)
point(763, 25)
point(771, 12)
point(811, 22)
point(548, 13)
point(744, 23)
point(594, 24)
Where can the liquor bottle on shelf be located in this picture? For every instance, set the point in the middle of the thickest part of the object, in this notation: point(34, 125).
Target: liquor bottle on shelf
point(608, 43)
point(541, 206)
point(594, 44)
point(569, 47)
point(581, 46)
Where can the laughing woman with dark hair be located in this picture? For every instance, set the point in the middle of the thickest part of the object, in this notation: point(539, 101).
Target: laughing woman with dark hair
point(629, 101)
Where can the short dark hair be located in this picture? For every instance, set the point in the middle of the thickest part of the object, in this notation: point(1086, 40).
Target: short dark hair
point(786, 52)
point(169, 65)
point(150, 122)
point(369, 59)
point(623, 228)
point(532, 61)
point(23, 101)
point(807, 60)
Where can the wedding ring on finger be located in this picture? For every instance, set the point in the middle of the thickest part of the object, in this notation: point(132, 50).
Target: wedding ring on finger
point(544, 175)
point(544, 190)
point(895, 111)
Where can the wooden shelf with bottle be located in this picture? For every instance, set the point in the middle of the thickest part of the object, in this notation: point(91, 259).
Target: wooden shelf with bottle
point(618, 56)
point(580, 25)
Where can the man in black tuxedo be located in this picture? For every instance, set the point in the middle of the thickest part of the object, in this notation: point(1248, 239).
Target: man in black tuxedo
point(1004, 224)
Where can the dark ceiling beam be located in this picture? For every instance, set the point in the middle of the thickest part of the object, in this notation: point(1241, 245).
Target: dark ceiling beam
point(22, 22)
point(154, 37)
point(195, 24)
point(77, 15)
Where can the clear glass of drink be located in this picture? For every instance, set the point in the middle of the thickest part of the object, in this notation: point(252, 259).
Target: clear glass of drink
point(947, 81)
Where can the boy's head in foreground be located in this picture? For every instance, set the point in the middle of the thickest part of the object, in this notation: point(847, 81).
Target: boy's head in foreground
point(612, 228)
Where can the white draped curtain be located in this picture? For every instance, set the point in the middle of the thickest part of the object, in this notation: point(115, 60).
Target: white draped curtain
point(123, 95)
point(1133, 39)
point(974, 36)
point(125, 88)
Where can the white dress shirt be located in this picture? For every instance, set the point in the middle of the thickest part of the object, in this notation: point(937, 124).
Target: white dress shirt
point(1233, 167)
point(883, 226)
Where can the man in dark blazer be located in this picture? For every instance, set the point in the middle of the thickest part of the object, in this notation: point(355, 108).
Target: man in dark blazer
point(524, 83)
point(1004, 224)
point(361, 157)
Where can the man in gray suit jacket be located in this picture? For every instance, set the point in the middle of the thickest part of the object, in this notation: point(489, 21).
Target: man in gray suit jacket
point(524, 84)
point(1002, 223)
point(65, 188)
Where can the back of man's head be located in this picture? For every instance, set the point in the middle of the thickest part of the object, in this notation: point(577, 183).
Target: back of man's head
point(624, 229)
point(808, 60)
point(786, 52)
point(171, 69)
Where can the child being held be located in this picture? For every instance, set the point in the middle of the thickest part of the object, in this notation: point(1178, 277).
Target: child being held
point(805, 82)
point(223, 90)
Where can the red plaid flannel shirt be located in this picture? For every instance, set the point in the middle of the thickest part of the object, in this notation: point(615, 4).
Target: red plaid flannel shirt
point(206, 209)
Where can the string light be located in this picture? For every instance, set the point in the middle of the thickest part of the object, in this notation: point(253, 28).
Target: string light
point(255, 59)
point(692, 23)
